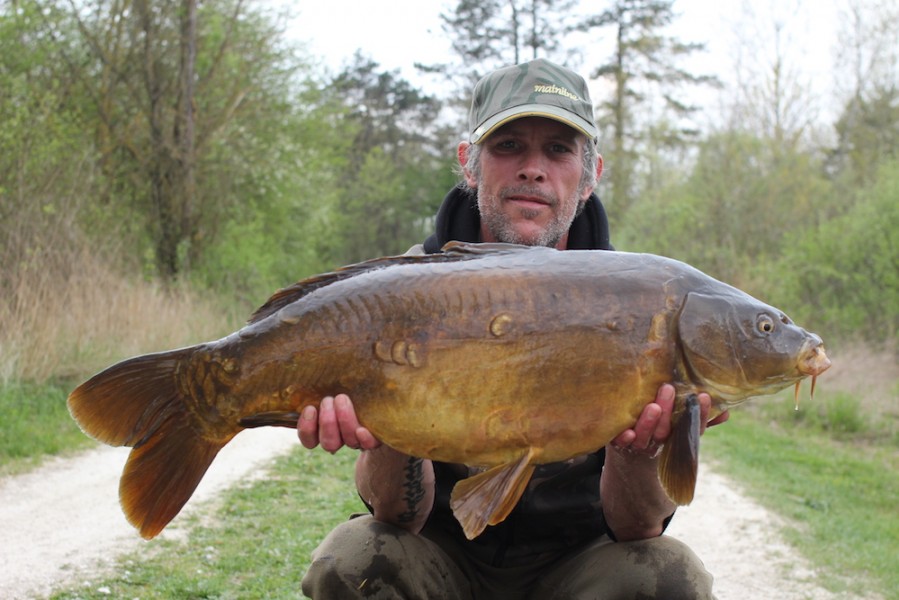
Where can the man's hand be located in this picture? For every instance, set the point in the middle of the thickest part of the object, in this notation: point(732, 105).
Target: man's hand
point(333, 426)
point(398, 488)
point(654, 424)
point(634, 504)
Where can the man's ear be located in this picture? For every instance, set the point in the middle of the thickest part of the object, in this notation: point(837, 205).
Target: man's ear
point(462, 155)
point(586, 193)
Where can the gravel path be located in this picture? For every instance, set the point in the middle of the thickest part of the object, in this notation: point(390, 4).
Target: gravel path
point(62, 522)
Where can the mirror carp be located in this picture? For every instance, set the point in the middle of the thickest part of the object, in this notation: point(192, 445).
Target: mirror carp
point(489, 355)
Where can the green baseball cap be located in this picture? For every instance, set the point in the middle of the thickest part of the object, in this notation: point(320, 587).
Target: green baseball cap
point(537, 88)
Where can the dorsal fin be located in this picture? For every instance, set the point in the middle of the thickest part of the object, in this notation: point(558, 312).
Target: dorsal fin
point(456, 252)
point(472, 250)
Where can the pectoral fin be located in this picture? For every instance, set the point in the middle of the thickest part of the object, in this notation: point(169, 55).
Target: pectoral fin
point(489, 497)
point(680, 456)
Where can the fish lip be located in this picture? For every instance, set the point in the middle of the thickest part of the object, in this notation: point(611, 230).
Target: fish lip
point(813, 359)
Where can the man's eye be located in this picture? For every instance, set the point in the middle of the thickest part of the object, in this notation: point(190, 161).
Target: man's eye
point(560, 148)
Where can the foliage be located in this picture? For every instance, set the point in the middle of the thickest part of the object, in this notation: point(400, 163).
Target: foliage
point(165, 101)
point(642, 69)
point(844, 274)
point(397, 168)
point(868, 134)
point(744, 202)
point(268, 234)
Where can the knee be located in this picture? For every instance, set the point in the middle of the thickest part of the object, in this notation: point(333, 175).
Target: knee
point(366, 558)
point(660, 567)
point(355, 555)
point(677, 570)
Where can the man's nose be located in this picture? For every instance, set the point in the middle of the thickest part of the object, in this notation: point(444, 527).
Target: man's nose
point(532, 167)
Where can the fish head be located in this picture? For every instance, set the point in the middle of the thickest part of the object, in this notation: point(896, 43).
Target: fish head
point(736, 347)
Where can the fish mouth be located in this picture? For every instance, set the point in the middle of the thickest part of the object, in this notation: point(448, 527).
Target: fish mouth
point(813, 359)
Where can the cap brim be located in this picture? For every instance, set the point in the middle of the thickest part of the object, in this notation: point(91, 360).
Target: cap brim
point(533, 110)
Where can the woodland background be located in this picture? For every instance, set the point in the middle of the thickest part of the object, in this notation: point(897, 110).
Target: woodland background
point(166, 165)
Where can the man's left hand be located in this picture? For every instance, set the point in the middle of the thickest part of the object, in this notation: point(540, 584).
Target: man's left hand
point(654, 424)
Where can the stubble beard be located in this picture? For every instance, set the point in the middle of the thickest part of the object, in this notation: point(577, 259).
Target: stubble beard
point(502, 228)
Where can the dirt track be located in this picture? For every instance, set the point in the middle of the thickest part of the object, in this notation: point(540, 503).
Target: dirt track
point(62, 523)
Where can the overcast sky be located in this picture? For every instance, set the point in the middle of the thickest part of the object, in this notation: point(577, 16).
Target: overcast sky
point(409, 31)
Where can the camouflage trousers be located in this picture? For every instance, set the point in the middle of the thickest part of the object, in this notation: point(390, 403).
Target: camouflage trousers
point(363, 558)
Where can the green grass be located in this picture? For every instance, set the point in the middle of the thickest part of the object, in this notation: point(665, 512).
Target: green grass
point(35, 423)
point(839, 494)
point(259, 543)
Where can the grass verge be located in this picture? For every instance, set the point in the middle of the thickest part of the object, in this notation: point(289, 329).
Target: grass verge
point(35, 424)
point(838, 494)
point(257, 546)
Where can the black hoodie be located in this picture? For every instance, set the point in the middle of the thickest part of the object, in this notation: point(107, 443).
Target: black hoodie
point(459, 220)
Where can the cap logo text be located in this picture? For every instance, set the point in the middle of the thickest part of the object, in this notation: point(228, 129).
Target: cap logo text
point(554, 89)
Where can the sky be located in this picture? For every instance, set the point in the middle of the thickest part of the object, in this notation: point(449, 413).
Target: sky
point(410, 31)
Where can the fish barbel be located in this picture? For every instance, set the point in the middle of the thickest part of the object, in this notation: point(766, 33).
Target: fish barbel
point(486, 354)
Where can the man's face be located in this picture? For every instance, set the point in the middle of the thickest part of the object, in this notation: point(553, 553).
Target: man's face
point(530, 173)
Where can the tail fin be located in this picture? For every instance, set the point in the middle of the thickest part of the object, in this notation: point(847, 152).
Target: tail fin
point(137, 403)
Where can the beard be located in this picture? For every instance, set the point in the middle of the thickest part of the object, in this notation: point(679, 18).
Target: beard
point(503, 229)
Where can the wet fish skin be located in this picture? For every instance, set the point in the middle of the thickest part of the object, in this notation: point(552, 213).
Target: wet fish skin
point(504, 357)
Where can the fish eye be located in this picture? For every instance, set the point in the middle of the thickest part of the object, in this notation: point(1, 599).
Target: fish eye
point(765, 324)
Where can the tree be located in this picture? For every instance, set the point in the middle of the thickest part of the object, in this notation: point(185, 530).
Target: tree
point(772, 97)
point(491, 34)
point(46, 160)
point(641, 71)
point(868, 128)
point(398, 166)
point(843, 276)
point(742, 205)
point(167, 82)
point(867, 135)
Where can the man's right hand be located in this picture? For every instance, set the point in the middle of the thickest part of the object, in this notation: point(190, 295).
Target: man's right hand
point(334, 425)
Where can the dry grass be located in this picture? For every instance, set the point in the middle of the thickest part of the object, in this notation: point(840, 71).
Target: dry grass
point(65, 312)
point(868, 374)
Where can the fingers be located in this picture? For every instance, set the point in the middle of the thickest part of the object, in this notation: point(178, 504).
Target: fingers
point(334, 425)
point(307, 427)
point(329, 433)
point(653, 427)
point(366, 440)
point(646, 426)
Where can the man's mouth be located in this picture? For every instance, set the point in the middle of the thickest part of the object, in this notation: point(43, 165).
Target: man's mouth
point(529, 198)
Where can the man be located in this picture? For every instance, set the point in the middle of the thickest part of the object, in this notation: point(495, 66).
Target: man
point(529, 167)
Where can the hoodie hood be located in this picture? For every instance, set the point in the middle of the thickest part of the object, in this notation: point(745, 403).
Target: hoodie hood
point(458, 220)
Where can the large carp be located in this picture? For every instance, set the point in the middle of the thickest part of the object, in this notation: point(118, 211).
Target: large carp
point(492, 355)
